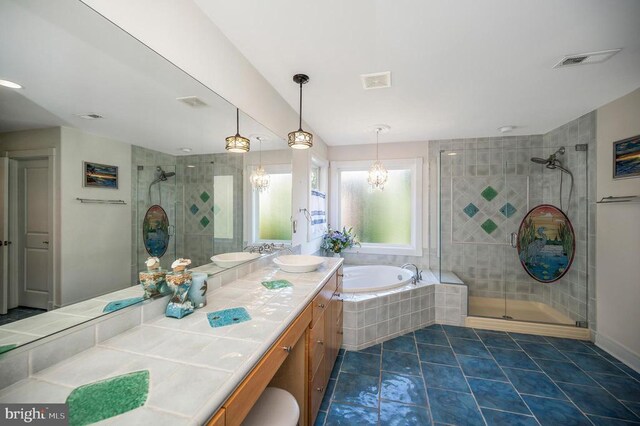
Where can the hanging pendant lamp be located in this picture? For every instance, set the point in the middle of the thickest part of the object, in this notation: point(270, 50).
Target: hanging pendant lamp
point(237, 143)
point(300, 139)
point(378, 175)
point(259, 178)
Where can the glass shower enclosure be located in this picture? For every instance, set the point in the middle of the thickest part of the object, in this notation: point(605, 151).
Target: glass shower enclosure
point(202, 196)
point(486, 188)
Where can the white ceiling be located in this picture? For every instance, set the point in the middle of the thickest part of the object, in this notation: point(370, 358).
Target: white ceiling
point(459, 68)
point(71, 61)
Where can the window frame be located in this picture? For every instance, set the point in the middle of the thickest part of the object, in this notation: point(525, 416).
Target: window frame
point(252, 202)
point(412, 164)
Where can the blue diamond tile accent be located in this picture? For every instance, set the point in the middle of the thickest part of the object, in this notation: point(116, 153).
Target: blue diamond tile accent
point(204, 196)
point(471, 210)
point(204, 221)
point(193, 209)
point(508, 210)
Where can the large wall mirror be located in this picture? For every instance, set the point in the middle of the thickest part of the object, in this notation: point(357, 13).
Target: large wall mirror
point(109, 153)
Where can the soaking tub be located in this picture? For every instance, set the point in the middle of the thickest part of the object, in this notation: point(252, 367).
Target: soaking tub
point(372, 278)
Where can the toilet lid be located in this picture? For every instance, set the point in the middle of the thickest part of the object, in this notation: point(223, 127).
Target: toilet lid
point(276, 407)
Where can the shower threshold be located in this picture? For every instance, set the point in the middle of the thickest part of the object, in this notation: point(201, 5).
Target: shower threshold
point(525, 317)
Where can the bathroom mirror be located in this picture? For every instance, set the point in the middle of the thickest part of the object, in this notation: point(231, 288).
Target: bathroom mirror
point(88, 145)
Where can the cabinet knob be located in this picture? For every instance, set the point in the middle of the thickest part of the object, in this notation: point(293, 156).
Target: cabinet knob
point(287, 348)
point(320, 389)
point(320, 305)
point(320, 342)
point(340, 332)
point(340, 275)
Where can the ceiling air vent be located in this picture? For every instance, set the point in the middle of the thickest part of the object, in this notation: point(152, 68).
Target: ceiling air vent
point(379, 80)
point(586, 58)
point(192, 101)
point(90, 116)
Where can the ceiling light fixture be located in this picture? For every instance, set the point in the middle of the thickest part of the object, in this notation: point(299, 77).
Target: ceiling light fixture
point(300, 139)
point(185, 150)
point(378, 175)
point(10, 84)
point(259, 178)
point(237, 143)
point(506, 129)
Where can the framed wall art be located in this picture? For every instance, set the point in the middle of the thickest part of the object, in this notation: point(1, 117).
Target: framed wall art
point(96, 175)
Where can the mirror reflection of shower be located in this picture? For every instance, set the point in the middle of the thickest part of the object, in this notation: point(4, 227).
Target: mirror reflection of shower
point(554, 163)
point(160, 176)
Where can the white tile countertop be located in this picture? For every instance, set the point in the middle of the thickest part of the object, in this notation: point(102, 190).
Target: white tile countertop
point(193, 367)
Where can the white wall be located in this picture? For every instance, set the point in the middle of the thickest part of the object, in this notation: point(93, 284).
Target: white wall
point(618, 237)
point(96, 238)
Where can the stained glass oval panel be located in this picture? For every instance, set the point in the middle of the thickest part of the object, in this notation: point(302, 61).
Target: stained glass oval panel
point(155, 231)
point(546, 243)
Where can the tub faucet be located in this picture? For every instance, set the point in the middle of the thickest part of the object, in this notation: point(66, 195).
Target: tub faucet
point(418, 275)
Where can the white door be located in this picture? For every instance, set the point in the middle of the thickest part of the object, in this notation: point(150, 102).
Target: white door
point(33, 233)
point(4, 234)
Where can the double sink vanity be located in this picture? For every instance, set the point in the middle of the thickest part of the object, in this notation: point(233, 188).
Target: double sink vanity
point(186, 371)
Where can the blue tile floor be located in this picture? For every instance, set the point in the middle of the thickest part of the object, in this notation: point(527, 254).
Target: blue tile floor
point(444, 375)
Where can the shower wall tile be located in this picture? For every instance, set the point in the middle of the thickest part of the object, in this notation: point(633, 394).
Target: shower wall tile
point(485, 261)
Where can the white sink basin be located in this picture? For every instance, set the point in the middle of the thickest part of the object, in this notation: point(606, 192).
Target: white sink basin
point(228, 260)
point(298, 263)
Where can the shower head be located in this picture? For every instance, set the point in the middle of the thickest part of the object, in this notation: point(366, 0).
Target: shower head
point(539, 160)
point(161, 175)
point(552, 162)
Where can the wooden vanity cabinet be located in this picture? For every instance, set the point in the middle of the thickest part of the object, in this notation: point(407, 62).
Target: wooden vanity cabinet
point(300, 361)
point(329, 326)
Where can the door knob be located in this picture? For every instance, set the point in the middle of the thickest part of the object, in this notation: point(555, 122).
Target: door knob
point(45, 242)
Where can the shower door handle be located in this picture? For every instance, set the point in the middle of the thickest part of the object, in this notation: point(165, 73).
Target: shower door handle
point(171, 230)
point(514, 239)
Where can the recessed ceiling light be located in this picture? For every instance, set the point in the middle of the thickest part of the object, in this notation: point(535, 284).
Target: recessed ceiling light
point(90, 116)
point(187, 150)
point(380, 128)
point(452, 153)
point(191, 166)
point(10, 84)
point(506, 129)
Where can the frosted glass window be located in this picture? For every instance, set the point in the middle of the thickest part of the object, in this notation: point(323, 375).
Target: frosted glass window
point(274, 209)
point(378, 217)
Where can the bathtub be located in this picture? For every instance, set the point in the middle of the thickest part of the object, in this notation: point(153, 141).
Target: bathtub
point(372, 278)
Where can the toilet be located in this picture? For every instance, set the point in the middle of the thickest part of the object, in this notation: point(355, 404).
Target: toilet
point(276, 407)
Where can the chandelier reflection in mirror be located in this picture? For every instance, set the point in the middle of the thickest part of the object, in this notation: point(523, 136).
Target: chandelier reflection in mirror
point(237, 143)
point(300, 139)
point(378, 175)
point(259, 178)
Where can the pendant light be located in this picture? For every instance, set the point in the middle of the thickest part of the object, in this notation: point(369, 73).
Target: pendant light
point(259, 178)
point(237, 143)
point(300, 139)
point(377, 173)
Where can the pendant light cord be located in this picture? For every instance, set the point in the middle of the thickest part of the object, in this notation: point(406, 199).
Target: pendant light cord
point(377, 143)
point(300, 107)
point(237, 121)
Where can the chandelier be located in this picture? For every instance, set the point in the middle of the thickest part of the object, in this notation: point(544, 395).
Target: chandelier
point(378, 175)
point(259, 178)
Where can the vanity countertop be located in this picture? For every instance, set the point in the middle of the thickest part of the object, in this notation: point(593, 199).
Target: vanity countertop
point(193, 368)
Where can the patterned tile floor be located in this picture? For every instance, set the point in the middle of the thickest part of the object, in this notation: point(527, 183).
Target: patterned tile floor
point(446, 375)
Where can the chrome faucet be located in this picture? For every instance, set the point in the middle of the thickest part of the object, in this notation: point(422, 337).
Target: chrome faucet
point(417, 276)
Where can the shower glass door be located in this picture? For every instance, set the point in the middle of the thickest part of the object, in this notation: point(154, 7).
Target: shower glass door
point(546, 276)
point(486, 187)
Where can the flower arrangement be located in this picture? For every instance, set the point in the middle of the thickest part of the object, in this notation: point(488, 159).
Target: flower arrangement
point(338, 241)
